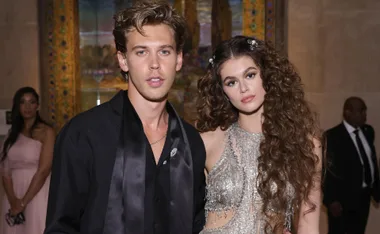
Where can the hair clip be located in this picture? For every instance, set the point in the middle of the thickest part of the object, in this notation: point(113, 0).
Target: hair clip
point(253, 43)
point(211, 60)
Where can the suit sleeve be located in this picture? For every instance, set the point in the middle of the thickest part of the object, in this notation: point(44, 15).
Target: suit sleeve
point(376, 187)
point(334, 177)
point(69, 184)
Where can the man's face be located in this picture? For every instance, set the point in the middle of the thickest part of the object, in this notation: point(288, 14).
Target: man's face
point(356, 114)
point(152, 61)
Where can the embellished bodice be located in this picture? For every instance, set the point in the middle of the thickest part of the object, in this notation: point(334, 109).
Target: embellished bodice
point(232, 185)
point(225, 182)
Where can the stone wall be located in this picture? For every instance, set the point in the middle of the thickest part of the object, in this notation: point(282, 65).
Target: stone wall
point(19, 48)
point(335, 46)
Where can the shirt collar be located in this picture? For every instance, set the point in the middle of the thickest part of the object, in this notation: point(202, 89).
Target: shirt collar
point(349, 127)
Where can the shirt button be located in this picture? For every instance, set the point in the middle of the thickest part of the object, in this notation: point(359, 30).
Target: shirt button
point(164, 163)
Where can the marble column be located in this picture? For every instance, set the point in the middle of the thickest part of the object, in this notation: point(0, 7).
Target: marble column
point(254, 18)
point(179, 6)
point(60, 59)
point(221, 22)
point(191, 16)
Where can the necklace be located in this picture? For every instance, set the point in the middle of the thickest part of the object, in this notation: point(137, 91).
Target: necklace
point(158, 140)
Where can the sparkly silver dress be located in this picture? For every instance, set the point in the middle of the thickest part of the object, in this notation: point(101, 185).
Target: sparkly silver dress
point(231, 185)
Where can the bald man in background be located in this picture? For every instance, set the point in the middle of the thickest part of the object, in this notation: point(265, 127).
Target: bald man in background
point(352, 175)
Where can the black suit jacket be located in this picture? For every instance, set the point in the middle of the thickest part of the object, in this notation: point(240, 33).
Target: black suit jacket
point(344, 171)
point(83, 163)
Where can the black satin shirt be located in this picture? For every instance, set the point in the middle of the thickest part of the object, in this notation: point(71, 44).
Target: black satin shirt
point(83, 163)
point(158, 190)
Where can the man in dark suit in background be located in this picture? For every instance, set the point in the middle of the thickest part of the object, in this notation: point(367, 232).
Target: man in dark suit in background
point(352, 175)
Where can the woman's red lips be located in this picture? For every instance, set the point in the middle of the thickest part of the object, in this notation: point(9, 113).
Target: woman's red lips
point(247, 99)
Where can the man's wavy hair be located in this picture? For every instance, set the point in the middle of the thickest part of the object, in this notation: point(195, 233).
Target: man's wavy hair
point(289, 126)
point(148, 13)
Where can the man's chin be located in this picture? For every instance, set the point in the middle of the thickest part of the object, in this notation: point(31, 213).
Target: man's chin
point(151, 94)
point(156, 98)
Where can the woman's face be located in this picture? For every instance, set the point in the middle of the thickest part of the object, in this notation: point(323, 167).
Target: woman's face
point(242, 83)
point(28, 106)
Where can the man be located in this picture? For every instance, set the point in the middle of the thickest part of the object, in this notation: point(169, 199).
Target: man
point(132, 165)
point(352, 175)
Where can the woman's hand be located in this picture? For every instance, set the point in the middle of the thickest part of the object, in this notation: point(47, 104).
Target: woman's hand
point(17, 207)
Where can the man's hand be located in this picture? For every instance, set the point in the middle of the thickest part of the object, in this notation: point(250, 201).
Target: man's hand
point(336, 209)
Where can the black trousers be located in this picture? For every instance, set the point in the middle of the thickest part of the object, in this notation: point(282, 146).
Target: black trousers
point(353, 220)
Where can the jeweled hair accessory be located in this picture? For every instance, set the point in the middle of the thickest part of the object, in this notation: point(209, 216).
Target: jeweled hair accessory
point(211, 61)
point(253, 44)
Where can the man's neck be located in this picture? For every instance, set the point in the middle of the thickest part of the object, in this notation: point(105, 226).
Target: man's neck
point(152, 114)
point(351, 125)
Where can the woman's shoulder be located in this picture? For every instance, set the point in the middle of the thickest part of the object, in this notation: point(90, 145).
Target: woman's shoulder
point(214, 143)
point(45, 127)
point(213, 138)
point(44, 132)
point(210, 135)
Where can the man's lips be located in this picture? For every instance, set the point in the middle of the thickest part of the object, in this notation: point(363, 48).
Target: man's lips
point(155, 81)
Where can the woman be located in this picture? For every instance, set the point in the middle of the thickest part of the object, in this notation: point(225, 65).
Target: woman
point(26, 158)
point(262, 143)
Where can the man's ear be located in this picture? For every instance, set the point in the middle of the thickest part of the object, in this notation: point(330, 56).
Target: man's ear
point(179, 61)
point(122, 58)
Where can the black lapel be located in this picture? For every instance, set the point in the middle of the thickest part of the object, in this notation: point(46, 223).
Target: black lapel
point(133, 151)
point(347, 141)
point(181, 177)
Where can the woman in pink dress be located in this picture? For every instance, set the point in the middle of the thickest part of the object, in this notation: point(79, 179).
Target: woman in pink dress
point(25, 163)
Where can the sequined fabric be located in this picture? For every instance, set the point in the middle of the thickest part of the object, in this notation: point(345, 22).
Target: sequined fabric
point(231, 185)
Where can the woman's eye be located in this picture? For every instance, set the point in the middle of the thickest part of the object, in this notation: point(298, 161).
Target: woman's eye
point(231, 83)
point(251, 75)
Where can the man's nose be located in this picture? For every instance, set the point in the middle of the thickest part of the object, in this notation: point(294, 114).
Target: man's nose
point(154, 62)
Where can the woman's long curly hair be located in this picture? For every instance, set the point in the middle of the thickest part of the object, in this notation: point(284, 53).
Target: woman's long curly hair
point(289, 126)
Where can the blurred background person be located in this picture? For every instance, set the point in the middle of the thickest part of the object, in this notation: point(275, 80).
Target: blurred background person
point(25, 163)
point(352, 176)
